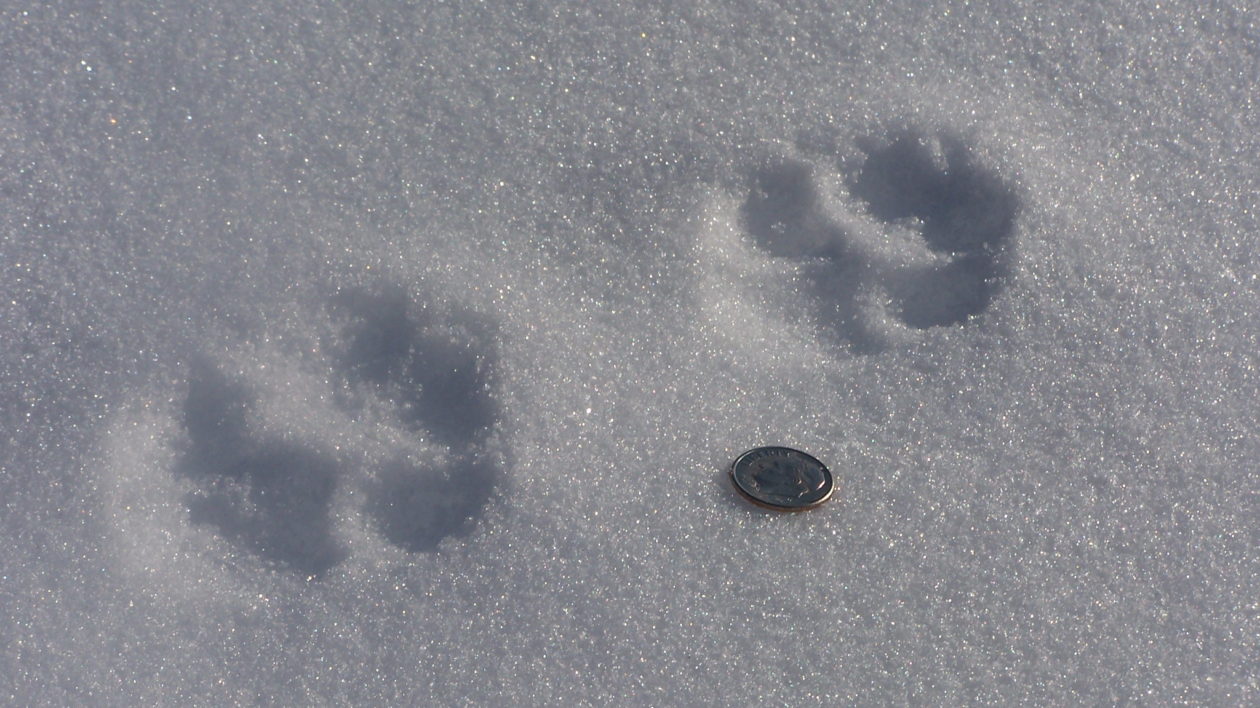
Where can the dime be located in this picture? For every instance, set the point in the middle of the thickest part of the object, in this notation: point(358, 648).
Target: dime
point(781, 478)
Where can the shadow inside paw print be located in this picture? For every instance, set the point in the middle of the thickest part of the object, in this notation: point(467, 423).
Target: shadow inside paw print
point(435, 374)
point(273, 497)
point(786, 218)
point(963, 215)
point(965, 212)
point(268, 496)
point(416, 506)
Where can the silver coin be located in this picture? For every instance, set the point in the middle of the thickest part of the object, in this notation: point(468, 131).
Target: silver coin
point(781, 478)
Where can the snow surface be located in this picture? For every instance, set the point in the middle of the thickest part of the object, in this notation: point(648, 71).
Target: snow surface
point(381, 353)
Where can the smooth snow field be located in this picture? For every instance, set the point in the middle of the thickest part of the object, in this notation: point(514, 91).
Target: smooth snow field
point(379, 353)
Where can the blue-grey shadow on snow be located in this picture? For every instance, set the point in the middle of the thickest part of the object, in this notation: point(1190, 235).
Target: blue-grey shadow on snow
point(786, 219)
point(966, 212)
point(963, 212)
point(437, 374)
point(271, 497)
point(415, 507)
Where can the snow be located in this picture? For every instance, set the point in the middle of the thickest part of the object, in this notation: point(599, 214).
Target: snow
point(395, 354)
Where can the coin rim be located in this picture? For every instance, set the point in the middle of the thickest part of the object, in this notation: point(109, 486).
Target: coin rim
point(831, 484)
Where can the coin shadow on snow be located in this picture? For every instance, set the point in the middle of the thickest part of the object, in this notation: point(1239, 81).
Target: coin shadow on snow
point(963, 213)
point(273, 497)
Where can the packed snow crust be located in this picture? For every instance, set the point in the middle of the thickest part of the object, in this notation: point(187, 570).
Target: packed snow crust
point(386, 353)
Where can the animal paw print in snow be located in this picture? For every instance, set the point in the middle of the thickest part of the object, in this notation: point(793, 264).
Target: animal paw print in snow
point(963, 215)
point(435, 374)
point(273, 496)
point(267, 495)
